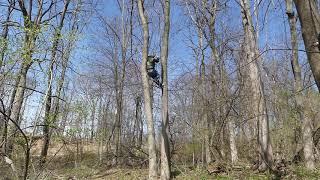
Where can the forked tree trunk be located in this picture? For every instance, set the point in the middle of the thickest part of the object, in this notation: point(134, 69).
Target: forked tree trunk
point(147, 94)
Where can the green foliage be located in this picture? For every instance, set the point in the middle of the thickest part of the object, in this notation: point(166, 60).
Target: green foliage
point(20, 140)
point(82, 172)
point(73, 131)
point(3, 43)
point(185, 152)
point(80, 109)
point(303, 173)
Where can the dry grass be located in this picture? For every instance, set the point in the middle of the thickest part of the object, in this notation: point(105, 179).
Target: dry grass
point(63, 164)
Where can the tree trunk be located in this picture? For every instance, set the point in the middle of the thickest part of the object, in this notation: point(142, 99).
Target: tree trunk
point(118, 122)
point(138, 125)
point(232, 138)
point(147, 94)
point(310, 25)
point(31, 30)
point(93, 117)
point(165, 149)
point(204, 109)
point(137, 136)
point(206, 124)
point(17, 103)
point(119, 83)
point(258, 99)
point(207, 138)
point(48, 118)
point(299, 98)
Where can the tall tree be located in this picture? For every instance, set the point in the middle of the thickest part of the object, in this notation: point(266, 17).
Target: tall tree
point(32, 27)
point(120, 78)
point(165, 149)
point(298, 88)
point(256, 84)
point(147, 94)
point(48, 98)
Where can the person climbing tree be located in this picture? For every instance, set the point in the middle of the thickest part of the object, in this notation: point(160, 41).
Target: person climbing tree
point(152, 72)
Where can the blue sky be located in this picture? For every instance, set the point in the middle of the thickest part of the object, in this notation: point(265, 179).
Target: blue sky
point(273, 31)
point(272, 20)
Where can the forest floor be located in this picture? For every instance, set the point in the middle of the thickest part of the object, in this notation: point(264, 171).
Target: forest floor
point(64, 168)
point(198, 174)
point(63, 164)
point(178, 172)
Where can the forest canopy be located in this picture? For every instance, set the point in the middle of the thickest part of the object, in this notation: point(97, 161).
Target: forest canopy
point(137, 89)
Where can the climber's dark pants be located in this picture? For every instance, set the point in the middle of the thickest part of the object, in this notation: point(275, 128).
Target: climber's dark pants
point(155, 76)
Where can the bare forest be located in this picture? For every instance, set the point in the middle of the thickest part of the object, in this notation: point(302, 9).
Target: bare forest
point(159, 89)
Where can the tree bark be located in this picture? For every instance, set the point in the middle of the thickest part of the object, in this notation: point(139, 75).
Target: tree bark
point(18, 98)
point(21, 80)
point(210, 8)
point(138, 126)
point(232, 138)
point(298, 87)
point(258, 99)
point(309, 17)
point(165, 149)
point(147, 94)
point(48, 118)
